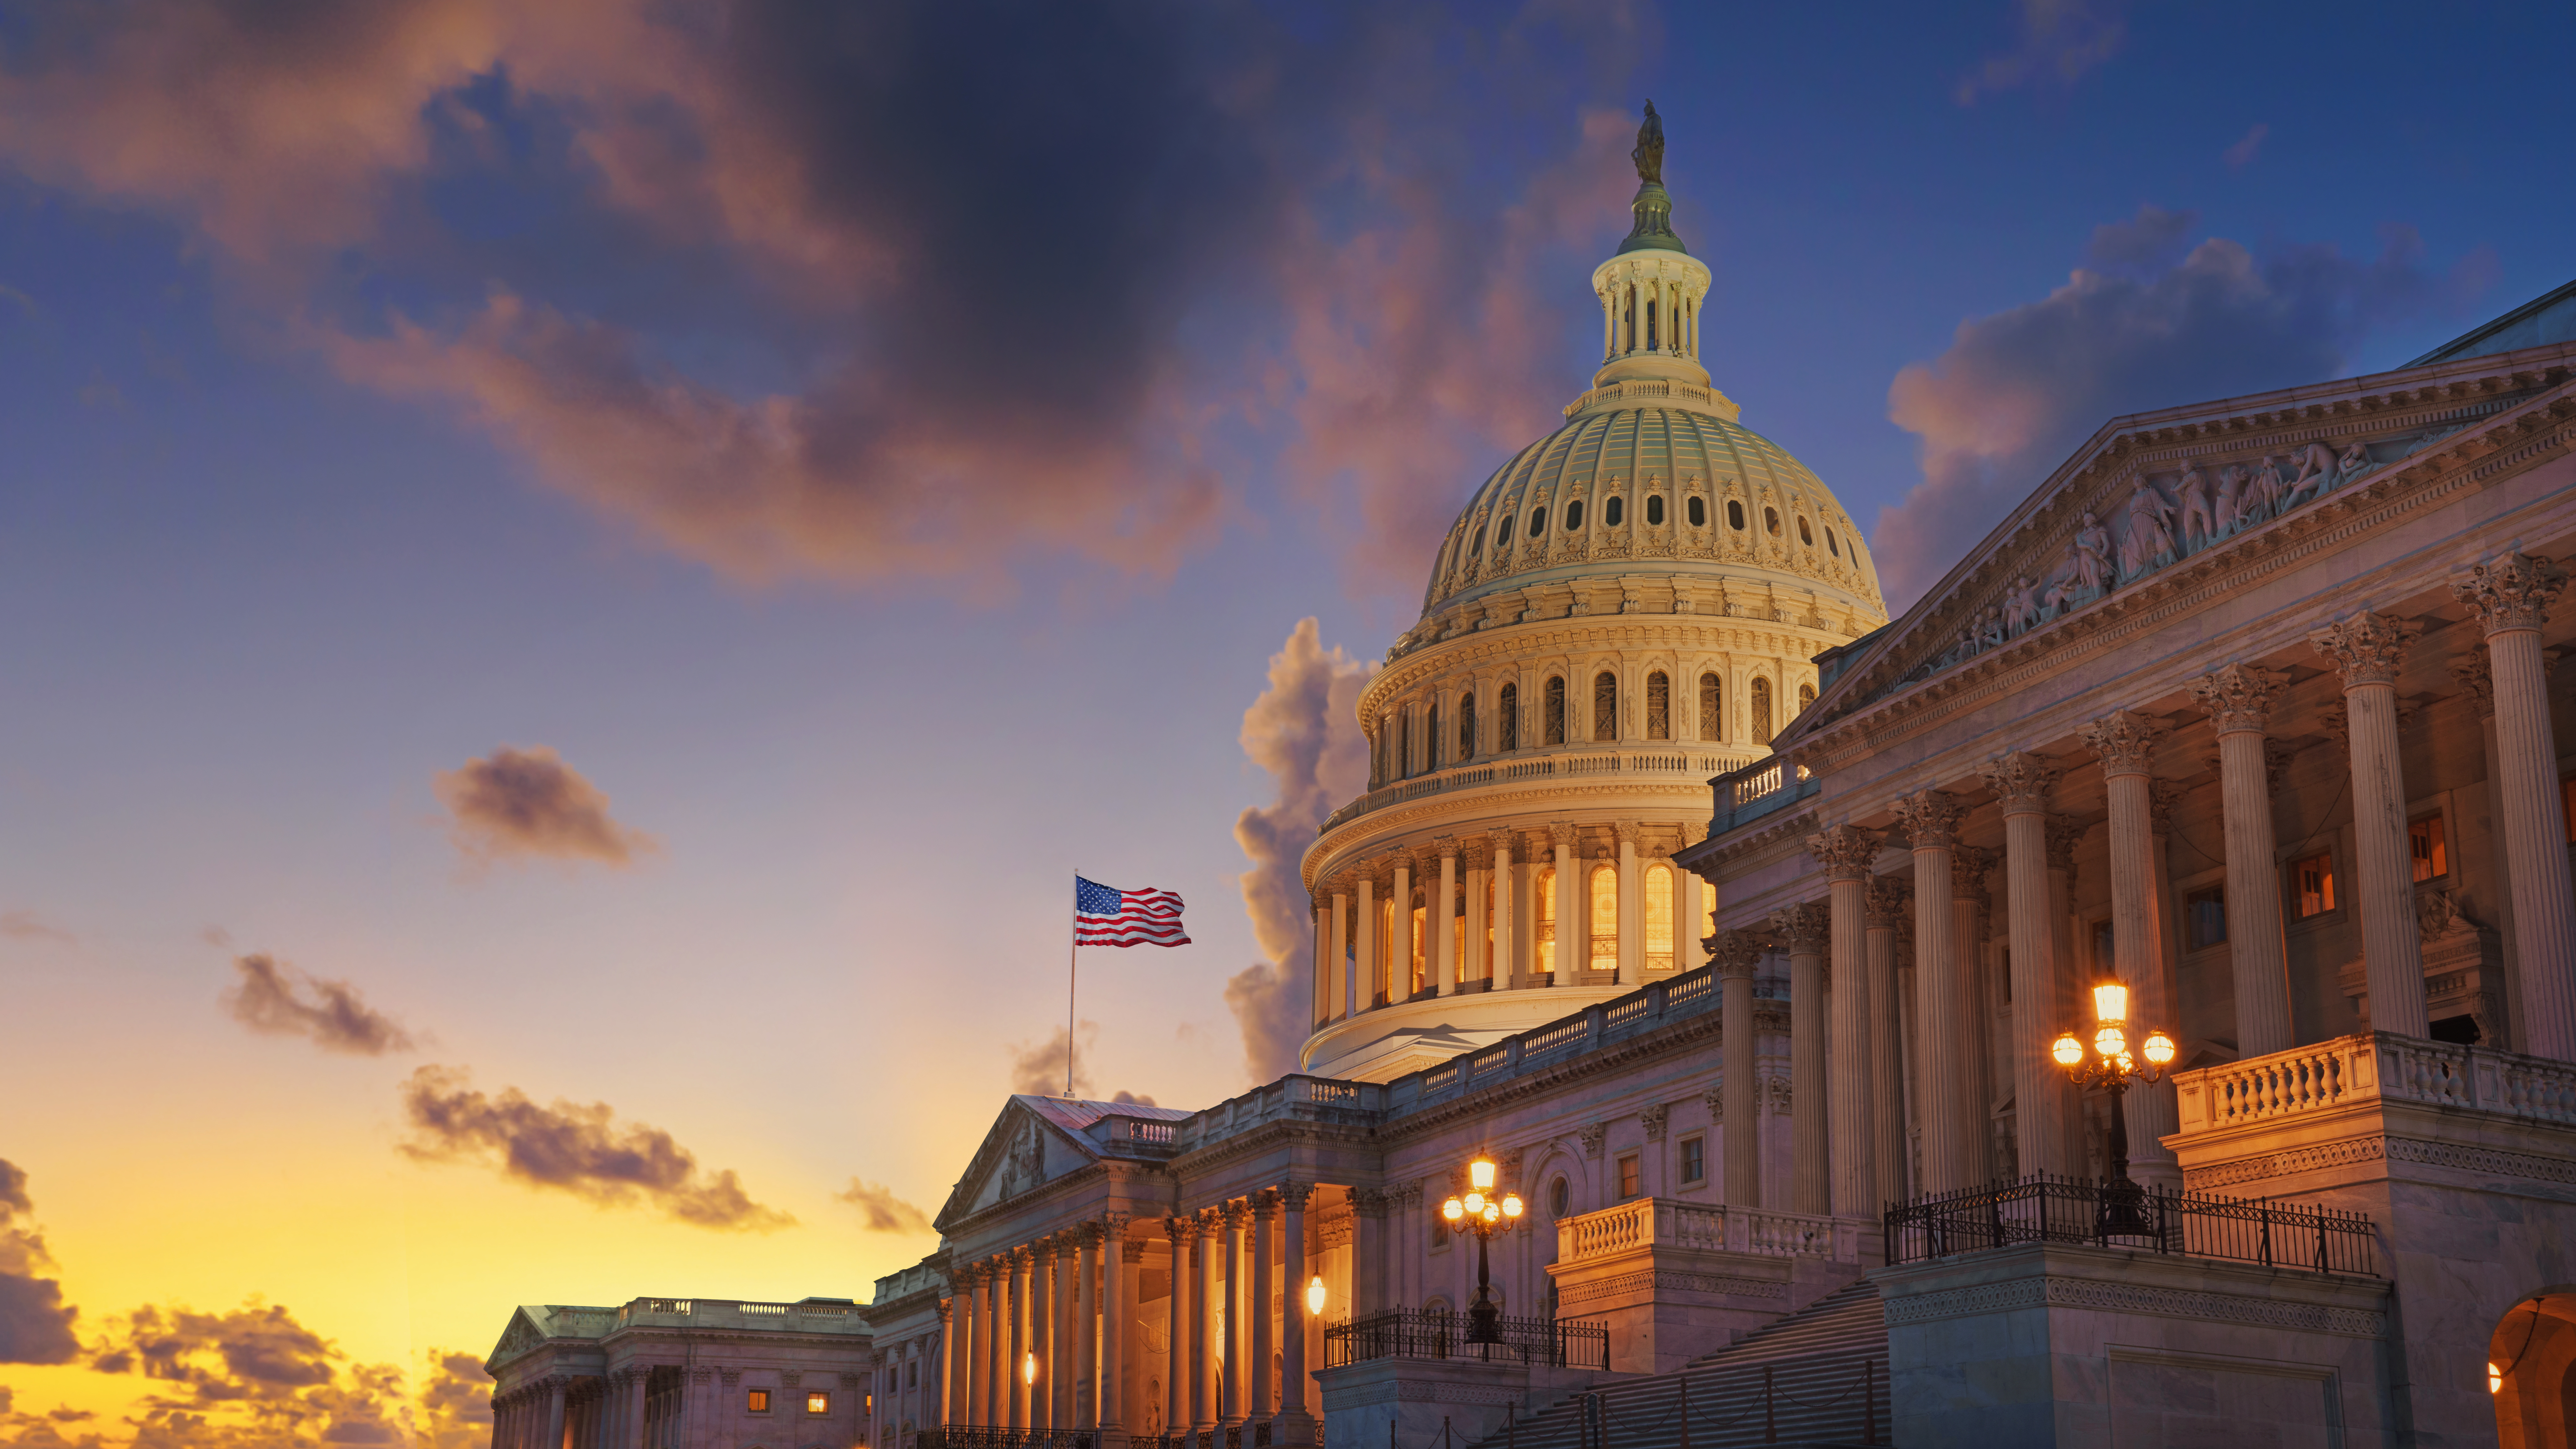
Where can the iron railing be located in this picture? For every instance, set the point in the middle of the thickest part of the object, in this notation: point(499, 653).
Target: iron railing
point(2050, 1209)
point(996, 1436)
point(1414, 1333)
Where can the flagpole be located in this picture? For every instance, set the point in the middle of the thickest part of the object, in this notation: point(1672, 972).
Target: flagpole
point(1072, 955)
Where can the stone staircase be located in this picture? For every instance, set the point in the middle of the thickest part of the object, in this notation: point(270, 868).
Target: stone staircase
point(1798, 1381)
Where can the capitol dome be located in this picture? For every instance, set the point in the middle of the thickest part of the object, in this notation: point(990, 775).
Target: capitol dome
point(1625, 608)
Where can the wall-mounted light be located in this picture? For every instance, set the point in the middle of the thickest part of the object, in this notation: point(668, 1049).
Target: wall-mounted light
point(1315, 1295)
point(1029, 1368)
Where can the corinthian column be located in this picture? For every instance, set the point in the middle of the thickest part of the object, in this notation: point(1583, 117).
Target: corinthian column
point(2239, 701)
point(1230, 1348)
point(1930, 821)
point(1506, 964)
point(1399, 944)
point(1886, 905)
point(2367, 650)
point(1804, 928)
point(1261, 1309)
point(1179, 1404)
point(1366, 949)
point(1738, 952)
point(2512, 595)
point(1082, 1384)
point(2126, 744)
point(1970, 866)
point(1338, 999)
point(1573, 910)
point(1015, 1385)
point(1294, 1426)
point(1116, 1293)
point(1845, 851)
point(2067, 1000)
point(1042, 1336)
point(2021, 783)
point(1447, 919)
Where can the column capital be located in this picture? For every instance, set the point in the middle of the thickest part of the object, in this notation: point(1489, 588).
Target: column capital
point(1845, 851)
point(1426, 860)
point(2124, 740)
point(1234, 1212)
point(1715, 1097)
point(1737, 952)
point(1929, 818)
point(1501, 841)
point(1114, 1224)
point(2239, 697)
point(1131, 1250)
point(1625, 832)
point(1654, 1118)
point(1803, 927)
point(2366, 648)
point(2476, 679)
point(1265, 1204)
point(2021, 781)
point(1180, 1230)
point(1968, 867)
point(1887, 902)
point(1368, 1202)
point(1443, 847)
point(1562, 834)
point(2510, 591)
point(1042, 1250)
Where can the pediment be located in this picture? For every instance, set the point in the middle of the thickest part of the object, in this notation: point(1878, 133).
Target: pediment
point(521, 1335)
point(1023, 1150)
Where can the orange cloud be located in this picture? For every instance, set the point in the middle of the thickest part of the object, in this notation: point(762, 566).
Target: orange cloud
point(529, 804)
point(573, 1148)
point(35, 1322)
point(282, 1001)
point(880, 1211)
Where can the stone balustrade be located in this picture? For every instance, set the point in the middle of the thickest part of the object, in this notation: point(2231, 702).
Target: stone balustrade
point(1663, 1222)
point(814, 1316)
point(2372, 1068)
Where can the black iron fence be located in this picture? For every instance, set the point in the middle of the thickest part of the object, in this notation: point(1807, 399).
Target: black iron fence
point(2048, 1209)
point(996, 1436)
point(1411, 1333)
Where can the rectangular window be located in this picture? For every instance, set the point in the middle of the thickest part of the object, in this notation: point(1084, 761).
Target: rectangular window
point(1629, 1185)
point(757, 1401)
point(2312, 885)
point(818, 1403)
point(2204, 917)
point(2424, 848)
point(1694, 1159)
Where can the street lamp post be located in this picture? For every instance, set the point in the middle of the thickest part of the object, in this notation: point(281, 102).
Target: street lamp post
point(1485, 1215)
point(2110, 1067)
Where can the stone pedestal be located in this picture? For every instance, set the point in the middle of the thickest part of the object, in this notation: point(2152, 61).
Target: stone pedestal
point(1677, 1280)
point(1414, 1396)
point(2051, 1344)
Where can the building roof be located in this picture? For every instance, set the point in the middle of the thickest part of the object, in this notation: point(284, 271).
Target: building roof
point(1073, 1114)
point(2550, 317)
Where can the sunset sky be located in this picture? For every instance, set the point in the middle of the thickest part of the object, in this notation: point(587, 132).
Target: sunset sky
point(577, 580)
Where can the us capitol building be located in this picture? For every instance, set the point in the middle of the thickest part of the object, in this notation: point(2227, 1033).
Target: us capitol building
point(2129, 998)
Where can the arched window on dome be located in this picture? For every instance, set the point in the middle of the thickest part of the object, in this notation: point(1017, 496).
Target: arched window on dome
point(1712, 713)
point(1611, 512)
point(1631, 319)
point(1403, 744)
point(1735, 515)
point(1431, 738)
point(1605, 917)
point(1659, 706)
point(1654, 508)
point(1507, 718)
point(1555, 707)
point(1806, 697)
point(1650, 327)
point(1467, 726)
point(1605, 706)
point(1659, 917)
point(1538, 522)
point(1806, 535)
point(1543, 914)
point(1761, 710)
point(1833, 545)
point(1574, 516)
point(1771, 521)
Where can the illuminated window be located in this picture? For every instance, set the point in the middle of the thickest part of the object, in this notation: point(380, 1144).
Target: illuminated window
point(1605, 918)
point(1420, 911)
point(2312, 885)
point(1611, 512)
point(1605, 706)
point(1694, 1159)
point(2424, 848)
point(757, 1401)
point(1654, 508)
point(1806, 696)
point(1555, 720)
point(1712, 700)
point(818, 1403)
point(1659, 917)
point(1659, 706)
point(1507, 718)
point(1629, 1175)
point(1761, 710)
point(1707, 906)
point(1698, 513)
point(2204, 916)
point(1735, 515)
point(1544, 902)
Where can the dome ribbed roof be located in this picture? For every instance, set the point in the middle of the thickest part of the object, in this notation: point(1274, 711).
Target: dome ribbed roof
point(1631, 454)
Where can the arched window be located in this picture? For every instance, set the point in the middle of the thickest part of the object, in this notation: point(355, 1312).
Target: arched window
point(1650, 326)
point(1538, 522)
point(1543, 910)
point(1421, 941)
point(1654, 508)
point(1712, 700)
point(1833, 544)
point(1507, 719)
point(1610, 514)
point(1466, 727)
point(1659, 917)
point(1761, 710)
point(1698, 512)
point(1605, 706)
point(1806, 535)
point(1771, 521)
point(1431, 738)
point(1806, 696)
point(1632, 319)
point(1735, 515)
point(1605, 917)
point(1707, 922)
point(1574, 515)
point(1659, 706)
point(1555, 722)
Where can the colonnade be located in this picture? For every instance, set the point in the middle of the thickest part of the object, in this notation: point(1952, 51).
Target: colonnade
point(1521, 926)
point(626, 1406)
point(1627, 307)
point(1043, 1337)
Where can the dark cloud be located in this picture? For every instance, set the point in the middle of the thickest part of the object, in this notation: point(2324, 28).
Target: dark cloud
point(578, 1149)
point(2241, 155)
point(2059, 41)
point(2151, 241)
point(35, 1322)
point(1304, 729)
point(1037, 1069)
point(455, 1403)
point(23, 925)
point(900, 290)
point(529, 804)
point(282, 1001)
point(880, 1211)
point(2018, 389)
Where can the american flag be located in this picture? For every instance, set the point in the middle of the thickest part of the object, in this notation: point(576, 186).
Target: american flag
point(1107, 916)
